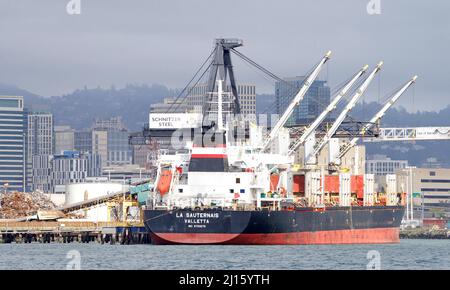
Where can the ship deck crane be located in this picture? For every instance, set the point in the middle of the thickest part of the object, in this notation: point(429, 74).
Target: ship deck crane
point(311, 129)
point(297, 99)
point(360, 91)
point(344, 149)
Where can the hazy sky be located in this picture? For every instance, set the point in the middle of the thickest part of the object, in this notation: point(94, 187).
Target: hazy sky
point(47, 51)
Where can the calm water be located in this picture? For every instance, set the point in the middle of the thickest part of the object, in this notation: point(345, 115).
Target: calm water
point(409, 254)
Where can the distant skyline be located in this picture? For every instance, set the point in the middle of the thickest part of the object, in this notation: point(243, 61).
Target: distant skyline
point(48, 52)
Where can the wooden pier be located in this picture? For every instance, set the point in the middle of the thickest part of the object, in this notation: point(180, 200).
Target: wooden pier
point(73, 231)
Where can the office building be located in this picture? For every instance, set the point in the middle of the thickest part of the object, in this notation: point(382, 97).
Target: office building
point(64, 139)
point(39, 141)
point(83, 141)
point(12, 143)
point(51, 173)
point(315, 101)
point(107, 138)
point(113, 123)
point(383, 165)
point(100, 145)
point(430, 188)
point(110, 140)
point(247, 99)
point(119, 150)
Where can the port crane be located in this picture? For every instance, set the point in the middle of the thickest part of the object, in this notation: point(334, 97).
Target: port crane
point(350, 105)
point(296, 100)
point(311, 129)
point(375, 119)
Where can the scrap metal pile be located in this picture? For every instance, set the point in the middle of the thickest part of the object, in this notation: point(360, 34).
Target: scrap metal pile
point(20, 204)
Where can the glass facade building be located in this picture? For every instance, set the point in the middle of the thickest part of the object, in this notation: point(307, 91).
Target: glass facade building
point(13, 122)
point(315, 101)
point(39, 141)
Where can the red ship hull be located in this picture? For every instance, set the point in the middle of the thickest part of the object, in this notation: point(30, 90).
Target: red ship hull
point(340, 225)
point(355, 236)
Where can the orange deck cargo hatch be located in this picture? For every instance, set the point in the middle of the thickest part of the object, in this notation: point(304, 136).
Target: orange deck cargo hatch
point(332, 183)
point(357, 185)
point(299, 184)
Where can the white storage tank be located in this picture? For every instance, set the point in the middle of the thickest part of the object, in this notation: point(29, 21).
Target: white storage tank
point(78, 192)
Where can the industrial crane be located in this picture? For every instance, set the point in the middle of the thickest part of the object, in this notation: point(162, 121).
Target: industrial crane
point(297, 99)
point(360, 91)
point(344, 149)
point(310, 129)
point(412, 134)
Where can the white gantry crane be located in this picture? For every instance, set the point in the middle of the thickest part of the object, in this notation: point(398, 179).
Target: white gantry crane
point(297, 99)
point(351, 104)
point(311, 128)
point(346, 147)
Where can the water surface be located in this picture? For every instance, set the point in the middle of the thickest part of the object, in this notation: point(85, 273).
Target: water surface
point(409, 254)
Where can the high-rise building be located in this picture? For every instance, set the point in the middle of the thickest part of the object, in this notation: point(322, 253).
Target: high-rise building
point(12, 143)
point(64, 139)
point(246, 92)
point(107, 138)
point(110, 140)
point(100, 145)
point(51, 173)
point(113, 123)
point(315, 101)
point(39, 140)
point(83, 141)
point(119, 150)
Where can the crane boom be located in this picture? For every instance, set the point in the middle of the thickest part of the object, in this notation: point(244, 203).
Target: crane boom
point(308, 131)
point(377, 116)
point(347, 109)
point(297, 99)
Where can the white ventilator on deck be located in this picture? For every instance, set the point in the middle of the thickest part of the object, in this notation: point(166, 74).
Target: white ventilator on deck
point(311, 129)
point(296, 101)
point(391, 189)
point(369, 189)
point(351, 104)
point(375, 119)
point(345, 189)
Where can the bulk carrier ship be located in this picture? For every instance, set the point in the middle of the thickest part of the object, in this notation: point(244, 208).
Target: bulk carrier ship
point(221, 189)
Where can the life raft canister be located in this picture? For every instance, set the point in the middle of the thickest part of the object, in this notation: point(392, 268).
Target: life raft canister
point(164, 182)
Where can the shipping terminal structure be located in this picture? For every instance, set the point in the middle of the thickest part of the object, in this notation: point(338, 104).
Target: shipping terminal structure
point(237, 182)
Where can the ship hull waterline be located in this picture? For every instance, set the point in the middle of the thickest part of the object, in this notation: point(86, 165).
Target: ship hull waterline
point(305, 226)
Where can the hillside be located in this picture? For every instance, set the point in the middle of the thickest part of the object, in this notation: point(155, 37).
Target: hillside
point(132, 102)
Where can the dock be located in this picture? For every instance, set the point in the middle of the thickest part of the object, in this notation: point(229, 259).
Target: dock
point(122, 233)
point(425, 233)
